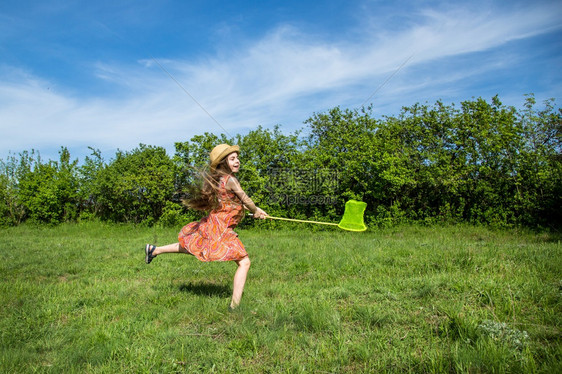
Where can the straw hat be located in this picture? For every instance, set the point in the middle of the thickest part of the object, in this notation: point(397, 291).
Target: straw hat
point(220, 152)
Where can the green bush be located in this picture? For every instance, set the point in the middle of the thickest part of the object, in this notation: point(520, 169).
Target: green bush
point(175, 215)
point(136, 185)
point(480, 162)
point(49, 191)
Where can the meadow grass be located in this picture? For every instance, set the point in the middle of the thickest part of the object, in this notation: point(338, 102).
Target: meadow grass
point(78, 298)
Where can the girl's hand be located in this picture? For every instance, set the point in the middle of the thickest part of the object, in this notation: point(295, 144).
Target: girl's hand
point(259, 213)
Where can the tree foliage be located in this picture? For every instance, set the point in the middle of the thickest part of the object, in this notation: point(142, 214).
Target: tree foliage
point(135, 186)
point(479, 162)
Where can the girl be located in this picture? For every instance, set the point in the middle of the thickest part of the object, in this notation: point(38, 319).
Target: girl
point(213, 238)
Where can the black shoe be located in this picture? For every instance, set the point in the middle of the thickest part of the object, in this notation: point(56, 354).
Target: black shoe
point(148, 250)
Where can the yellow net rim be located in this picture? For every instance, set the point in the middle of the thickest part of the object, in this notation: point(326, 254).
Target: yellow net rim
point(350, 229)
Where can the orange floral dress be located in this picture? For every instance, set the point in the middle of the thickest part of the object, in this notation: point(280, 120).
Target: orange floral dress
point(213, 238)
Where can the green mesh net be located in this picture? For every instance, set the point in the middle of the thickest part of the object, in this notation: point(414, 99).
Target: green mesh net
point(352, 219)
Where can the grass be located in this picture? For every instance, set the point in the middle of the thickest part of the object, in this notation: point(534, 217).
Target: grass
point(79, 299)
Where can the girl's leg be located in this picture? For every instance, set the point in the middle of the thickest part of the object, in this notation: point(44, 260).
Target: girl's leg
point(239, 281)
point(152, 251)
point(170, 248)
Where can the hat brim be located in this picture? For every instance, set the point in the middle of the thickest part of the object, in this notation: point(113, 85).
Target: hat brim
point(223, 154)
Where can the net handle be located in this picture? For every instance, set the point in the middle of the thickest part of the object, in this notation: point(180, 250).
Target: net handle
point(300, 220)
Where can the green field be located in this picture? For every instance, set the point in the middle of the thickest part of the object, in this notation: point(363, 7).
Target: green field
point(79, 298)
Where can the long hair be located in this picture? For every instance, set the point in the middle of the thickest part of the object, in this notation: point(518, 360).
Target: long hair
point(203, 195)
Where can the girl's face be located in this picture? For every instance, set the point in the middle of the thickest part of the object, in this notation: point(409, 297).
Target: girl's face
point(233, 162)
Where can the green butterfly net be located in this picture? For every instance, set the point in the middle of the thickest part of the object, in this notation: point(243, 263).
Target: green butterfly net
point(352, 219)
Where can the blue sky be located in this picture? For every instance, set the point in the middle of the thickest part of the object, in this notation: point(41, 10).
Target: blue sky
point(95, 73)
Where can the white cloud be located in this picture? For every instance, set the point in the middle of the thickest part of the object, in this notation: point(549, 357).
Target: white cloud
point(282, 78)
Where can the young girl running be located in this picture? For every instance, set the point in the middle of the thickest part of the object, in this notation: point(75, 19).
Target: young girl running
point(213, 238)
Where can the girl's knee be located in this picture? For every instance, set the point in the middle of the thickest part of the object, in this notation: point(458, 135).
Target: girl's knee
point(245, 262)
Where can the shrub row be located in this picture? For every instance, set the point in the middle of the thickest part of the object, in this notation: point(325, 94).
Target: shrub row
point(480, 162)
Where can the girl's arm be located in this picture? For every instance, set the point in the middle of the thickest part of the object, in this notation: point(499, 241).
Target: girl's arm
point(233, 185)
